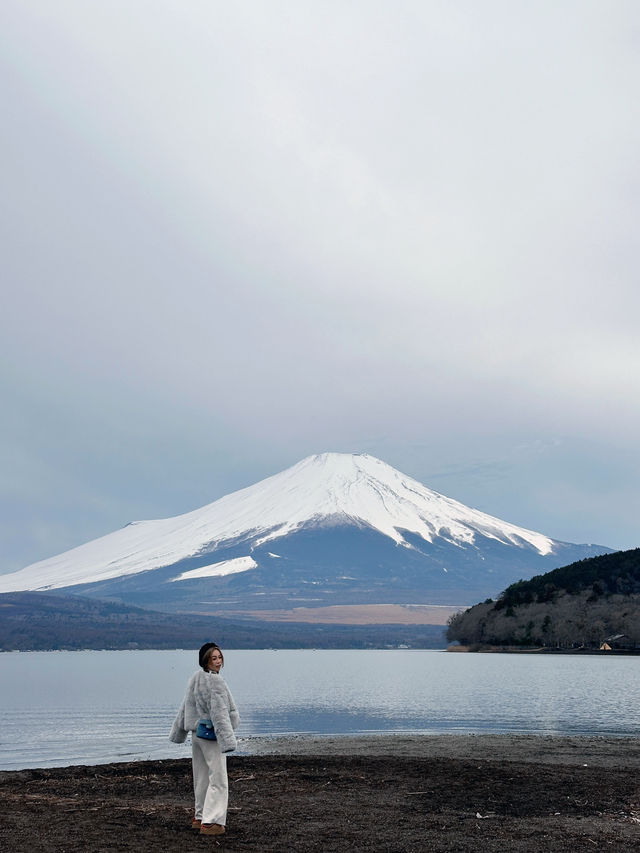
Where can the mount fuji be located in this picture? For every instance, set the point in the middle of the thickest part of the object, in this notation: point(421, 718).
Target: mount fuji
point(334, 529)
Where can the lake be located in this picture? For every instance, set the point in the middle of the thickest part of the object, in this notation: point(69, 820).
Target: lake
point(93, 707)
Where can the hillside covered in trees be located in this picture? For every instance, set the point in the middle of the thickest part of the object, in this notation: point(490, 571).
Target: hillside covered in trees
point(584, 605)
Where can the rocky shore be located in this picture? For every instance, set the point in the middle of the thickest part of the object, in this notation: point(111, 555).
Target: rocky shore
point(381, 793)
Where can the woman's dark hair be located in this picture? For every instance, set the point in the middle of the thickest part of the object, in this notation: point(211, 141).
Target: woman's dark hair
point(205, 651)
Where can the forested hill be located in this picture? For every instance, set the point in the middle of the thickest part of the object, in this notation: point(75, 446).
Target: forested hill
point(605, 575)
point(582, 604)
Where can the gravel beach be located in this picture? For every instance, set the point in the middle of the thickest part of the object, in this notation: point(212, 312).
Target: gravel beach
point(594, 751)
point(373, 793)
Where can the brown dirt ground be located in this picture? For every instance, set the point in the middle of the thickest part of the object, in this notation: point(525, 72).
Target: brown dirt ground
point(331, 802)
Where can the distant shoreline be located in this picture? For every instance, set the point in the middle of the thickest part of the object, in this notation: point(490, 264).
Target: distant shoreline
point(515, 650)
point(542, 650)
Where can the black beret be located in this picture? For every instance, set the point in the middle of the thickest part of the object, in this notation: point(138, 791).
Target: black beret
point(203, 653)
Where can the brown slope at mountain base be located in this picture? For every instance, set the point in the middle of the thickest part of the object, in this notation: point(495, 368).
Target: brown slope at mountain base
point(353, 614)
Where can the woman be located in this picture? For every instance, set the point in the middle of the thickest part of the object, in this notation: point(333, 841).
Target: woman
point(208, 697)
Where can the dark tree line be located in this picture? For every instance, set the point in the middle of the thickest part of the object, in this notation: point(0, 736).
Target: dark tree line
point(580, 605)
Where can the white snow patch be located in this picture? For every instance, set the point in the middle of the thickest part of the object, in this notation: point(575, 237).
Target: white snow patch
point(218, 570)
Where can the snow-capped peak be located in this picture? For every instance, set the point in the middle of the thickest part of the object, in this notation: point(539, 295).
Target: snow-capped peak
point(322, 488)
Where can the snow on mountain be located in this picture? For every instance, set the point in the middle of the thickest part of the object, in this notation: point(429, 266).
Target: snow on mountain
point(321, 490)
point(219, 570)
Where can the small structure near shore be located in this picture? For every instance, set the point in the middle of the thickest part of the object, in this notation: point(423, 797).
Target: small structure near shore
point(614, 642)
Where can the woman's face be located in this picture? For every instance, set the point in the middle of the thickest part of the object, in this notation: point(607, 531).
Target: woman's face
point(214, 663)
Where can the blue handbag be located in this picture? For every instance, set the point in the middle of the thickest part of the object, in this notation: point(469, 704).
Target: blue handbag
point(205, 730)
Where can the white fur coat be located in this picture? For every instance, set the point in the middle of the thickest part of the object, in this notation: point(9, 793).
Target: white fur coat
point(207, 696)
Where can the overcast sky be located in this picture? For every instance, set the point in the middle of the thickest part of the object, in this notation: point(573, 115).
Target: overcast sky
point(236, 234)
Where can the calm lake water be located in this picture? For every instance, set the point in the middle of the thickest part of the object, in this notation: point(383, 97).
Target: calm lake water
point(63, 708)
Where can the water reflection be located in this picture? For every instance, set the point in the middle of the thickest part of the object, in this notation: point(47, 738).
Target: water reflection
point(357, 691)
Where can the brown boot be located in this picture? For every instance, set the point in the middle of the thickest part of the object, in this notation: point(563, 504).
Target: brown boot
point(211, 829)
point(196, 823)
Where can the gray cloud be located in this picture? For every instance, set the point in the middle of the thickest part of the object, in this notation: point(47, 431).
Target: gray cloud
point(237, 234)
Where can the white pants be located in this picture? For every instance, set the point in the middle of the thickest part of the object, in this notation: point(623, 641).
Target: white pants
point(210, 783)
